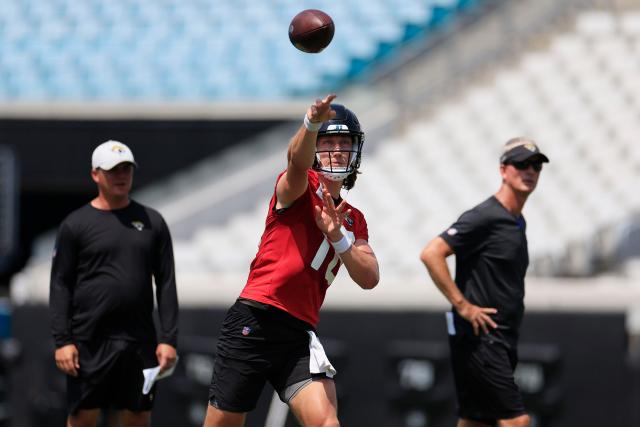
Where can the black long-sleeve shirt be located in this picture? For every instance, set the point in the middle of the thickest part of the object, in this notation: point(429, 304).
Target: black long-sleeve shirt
point(101, 276)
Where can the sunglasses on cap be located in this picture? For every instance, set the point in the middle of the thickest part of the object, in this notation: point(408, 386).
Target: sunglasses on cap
point(524, 165)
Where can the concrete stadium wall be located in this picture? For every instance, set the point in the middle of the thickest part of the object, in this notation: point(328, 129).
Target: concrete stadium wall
point(393, 370)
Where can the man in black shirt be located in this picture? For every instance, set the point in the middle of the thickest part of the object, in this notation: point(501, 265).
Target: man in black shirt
point(101, 299)
point(487, 296)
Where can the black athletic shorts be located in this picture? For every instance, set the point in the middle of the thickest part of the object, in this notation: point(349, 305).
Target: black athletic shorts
point(483, 372)
point(258, 344)
point(110, 376)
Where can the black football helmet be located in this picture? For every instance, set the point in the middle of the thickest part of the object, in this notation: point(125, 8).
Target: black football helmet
point(345, 122)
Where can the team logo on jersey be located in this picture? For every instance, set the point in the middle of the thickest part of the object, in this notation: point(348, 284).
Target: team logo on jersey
point(452, 231)
point(138, 225)
point(246, 331)
point(349, 220)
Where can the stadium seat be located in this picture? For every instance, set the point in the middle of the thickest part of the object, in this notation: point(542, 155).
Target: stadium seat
point(131, 33)
point(577, 96)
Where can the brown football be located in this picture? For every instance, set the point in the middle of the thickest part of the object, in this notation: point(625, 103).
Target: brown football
point(311, 30)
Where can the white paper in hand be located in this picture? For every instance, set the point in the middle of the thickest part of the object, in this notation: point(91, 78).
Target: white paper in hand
point(151, 375)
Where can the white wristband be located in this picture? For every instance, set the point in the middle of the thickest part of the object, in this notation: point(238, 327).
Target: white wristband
point(342, 245)
point(311, 127)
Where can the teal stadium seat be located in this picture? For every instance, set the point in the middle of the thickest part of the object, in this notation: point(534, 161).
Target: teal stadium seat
point(190, 50)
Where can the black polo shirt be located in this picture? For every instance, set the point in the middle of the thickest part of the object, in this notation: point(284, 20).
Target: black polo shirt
point(491, 261)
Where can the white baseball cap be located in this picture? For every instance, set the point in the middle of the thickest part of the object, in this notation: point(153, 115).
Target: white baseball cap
point(109, 154)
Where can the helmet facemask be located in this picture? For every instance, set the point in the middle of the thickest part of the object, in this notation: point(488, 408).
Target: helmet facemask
point(345, 123)
point(334, 169)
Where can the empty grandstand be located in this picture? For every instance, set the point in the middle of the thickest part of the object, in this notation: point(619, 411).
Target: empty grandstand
point(439, 86)
point(192, 50)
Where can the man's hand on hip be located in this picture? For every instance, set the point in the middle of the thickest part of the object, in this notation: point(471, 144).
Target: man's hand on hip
point(479, 317)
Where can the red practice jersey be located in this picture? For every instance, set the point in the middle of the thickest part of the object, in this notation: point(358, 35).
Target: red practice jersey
point(295, 263)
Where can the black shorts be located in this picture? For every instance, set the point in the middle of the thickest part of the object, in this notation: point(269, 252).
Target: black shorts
point(483, 372)
point(259, 345)
point(110, 376)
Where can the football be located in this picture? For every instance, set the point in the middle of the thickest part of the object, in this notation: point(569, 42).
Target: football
point(311, 30)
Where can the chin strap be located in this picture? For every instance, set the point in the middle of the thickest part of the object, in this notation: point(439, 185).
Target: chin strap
point(334, 176)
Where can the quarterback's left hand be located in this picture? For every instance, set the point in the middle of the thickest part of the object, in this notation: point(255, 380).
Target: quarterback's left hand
point(330, 218)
